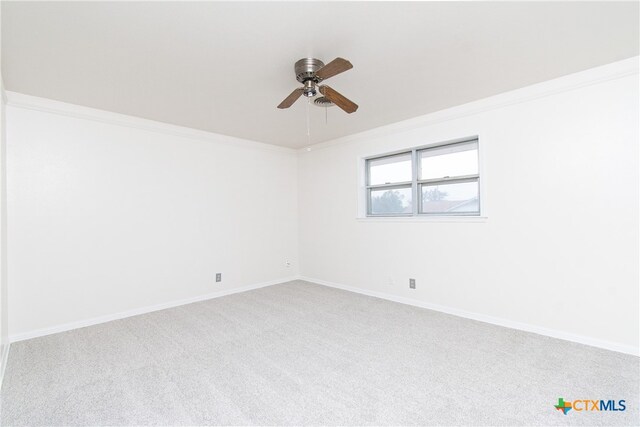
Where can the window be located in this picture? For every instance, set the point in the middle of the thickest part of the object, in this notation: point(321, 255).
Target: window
point(390, 181)
point(442, 180)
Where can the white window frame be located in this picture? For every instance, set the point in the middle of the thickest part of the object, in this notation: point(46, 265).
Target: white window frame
point(416, 185)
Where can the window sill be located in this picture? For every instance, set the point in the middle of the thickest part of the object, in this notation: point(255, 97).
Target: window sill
point(422, 219)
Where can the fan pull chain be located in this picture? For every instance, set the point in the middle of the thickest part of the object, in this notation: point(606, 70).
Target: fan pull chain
point(308, 123)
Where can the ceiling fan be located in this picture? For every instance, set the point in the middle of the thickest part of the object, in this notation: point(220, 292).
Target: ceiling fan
point(310, 72)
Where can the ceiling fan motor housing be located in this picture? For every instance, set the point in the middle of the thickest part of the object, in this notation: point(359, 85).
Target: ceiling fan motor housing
point(306, 74)
point(306, 69)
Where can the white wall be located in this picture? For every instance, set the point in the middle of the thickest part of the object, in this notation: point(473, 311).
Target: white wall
point(559, 250)
point(106, 218)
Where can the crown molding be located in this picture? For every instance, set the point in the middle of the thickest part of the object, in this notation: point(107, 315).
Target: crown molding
point(3, 93)
point(615, 70)
point(570, 82)
point(29, 102)
point(592, 76)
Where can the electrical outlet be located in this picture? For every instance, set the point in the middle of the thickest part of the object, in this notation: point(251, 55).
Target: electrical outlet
point(218, 277)
point(412, 283)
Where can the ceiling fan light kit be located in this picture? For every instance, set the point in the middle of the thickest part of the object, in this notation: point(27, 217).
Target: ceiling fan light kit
point(310, 72)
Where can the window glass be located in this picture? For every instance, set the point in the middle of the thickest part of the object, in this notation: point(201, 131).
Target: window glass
point(449, 161)
point(392, 201)
point(390, 169)
point(450, 198)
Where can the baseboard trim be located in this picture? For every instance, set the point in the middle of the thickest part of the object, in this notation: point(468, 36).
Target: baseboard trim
point(142, 310)
point(554, 333)
point(4, 357)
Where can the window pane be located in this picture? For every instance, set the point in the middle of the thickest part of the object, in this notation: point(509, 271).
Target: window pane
point(390, 201)
point(450, 198)
point(388, 170)
point(449, 161)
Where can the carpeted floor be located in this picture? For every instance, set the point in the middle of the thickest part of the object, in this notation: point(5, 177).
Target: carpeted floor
point(301, 354)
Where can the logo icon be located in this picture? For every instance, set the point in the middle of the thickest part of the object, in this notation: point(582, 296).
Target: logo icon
point(563, 406)
point(590, 405)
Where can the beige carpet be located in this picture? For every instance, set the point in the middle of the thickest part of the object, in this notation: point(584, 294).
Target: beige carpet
point(305, 354)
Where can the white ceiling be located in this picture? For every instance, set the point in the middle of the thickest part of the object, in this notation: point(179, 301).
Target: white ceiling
point(224, 67)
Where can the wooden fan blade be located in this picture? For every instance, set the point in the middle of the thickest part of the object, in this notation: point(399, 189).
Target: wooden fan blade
point(289, 100)
point(335, 97)
point(337, 66)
